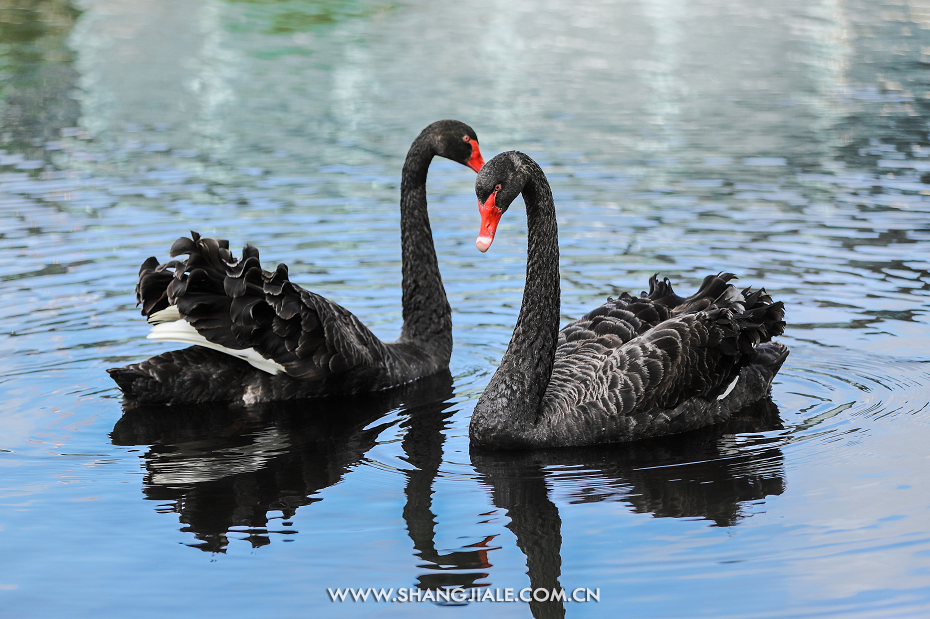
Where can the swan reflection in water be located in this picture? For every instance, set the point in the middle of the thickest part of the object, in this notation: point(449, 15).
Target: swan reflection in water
point(224, 469)
point(700, 474)
point(221, 468)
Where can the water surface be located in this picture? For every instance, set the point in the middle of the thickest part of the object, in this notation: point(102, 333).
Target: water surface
point(787, 143)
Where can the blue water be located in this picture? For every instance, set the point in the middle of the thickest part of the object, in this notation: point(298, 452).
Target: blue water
point(785, 142)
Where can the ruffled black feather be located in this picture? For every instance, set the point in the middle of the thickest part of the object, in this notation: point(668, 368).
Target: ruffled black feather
point(235, 303)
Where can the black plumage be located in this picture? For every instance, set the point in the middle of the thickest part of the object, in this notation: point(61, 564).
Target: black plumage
point(632, 368)
point(319, 347)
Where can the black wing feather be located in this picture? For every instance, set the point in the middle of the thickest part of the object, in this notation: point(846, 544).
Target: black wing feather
point(235, 303)
point(624, 386)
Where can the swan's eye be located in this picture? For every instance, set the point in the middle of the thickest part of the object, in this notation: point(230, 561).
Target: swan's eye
point(466, 138)
point(497, 187)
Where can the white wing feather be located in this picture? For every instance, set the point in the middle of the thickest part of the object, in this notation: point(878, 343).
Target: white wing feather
point(182, 331)
point(169, 314)
point(729, 389)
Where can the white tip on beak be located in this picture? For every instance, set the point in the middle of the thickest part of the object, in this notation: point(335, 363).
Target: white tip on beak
point(483, 243)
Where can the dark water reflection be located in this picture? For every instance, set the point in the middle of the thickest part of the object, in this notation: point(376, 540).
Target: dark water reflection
point(700, 474)
point(787, 142)
point(222, 469)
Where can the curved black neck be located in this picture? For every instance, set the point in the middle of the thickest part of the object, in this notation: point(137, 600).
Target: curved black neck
point(427, 315)
point(516, 390)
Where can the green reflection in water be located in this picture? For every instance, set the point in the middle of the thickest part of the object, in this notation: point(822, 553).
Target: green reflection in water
point(37, 76)
point(297, 16)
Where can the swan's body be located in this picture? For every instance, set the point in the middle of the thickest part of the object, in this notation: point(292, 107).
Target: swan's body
point(273, 340)
point(632, 368)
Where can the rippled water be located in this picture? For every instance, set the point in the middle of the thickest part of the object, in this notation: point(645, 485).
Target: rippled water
point(785, 141)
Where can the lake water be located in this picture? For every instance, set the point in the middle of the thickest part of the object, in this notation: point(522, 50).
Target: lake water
point(785, 141)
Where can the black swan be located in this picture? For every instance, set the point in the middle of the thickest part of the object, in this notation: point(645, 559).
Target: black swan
point(290, 342)
point(632, 368)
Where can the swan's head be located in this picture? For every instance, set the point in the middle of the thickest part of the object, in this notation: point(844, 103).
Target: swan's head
point(499, 182)
point(457, 141)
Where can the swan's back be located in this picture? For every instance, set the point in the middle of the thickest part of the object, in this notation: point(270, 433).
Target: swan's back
point(607, 386)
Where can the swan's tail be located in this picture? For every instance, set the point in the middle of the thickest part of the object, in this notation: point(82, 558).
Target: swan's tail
point(755, 378)
point(194, 374)
point(770, 356)
point(748, 319)
point(125, 378)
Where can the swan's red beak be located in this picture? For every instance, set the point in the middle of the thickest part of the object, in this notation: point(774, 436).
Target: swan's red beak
point(476, 160)
point(490, 217)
